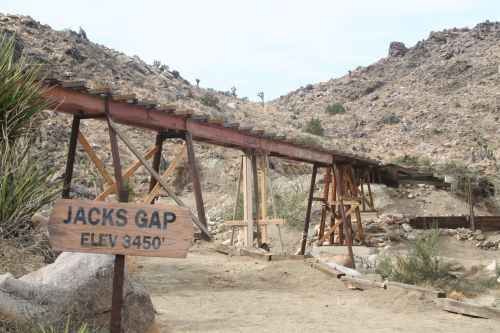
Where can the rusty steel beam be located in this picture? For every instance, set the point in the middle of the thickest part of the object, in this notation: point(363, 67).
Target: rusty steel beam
point(83, 104)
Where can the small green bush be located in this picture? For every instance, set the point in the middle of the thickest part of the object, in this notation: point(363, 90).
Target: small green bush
point(210, 100)
point(313, 126)
point(336, 108)
point(418, 266)
point(308, 140)
point(407, 160)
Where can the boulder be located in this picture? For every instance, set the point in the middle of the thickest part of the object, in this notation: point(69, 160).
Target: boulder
point(79, 284)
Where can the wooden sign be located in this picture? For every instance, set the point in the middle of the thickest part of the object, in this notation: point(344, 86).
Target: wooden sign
point(120, 228)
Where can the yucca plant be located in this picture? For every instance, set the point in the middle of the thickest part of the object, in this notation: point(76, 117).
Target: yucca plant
point(25, 184)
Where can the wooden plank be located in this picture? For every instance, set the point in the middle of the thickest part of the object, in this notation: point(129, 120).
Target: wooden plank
point(359, 283)
point(201, 117)
point(230, 250)
point(170, 170)
point(76, 85)
point(429, 294)
point(127, 174)
point(231, 125)
point(216, 121)
point(98, 163)
point(183, 112)
point(260, 222)
point(147, 102)
point(167, 107)
point(468, 309)
point(101, 91)
point(322, 267)
point(120, 228)
point(245, 128)
point(124, 97)
point(280, 257)
point(255, 254)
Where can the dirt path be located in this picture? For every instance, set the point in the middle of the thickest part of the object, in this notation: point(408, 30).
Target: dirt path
point(211, 292)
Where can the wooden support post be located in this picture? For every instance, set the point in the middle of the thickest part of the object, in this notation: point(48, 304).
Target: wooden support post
point(247, 199)
point(119, 265)
point(333, 209)
point(341, 189)
point(263, 196)
point(308, 210)
point(471, 205)
point(325, 207)
point(196, 181)
point(273, 203)
point(238, 189)
point(160, 138)
point(70, 162)
point(255, 183)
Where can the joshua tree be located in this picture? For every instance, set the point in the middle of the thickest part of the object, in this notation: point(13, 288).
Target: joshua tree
point(233, 91)
point(197, 83)
point(261, 96)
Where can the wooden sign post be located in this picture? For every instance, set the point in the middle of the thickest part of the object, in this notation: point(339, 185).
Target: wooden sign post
point(121, 228)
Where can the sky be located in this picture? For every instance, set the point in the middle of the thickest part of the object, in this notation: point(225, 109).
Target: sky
point(269, 46)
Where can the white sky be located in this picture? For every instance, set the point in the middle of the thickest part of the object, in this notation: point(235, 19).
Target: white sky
point(271, 46)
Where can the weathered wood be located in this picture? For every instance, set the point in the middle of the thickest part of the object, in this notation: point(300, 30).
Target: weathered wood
point(157, 176)
point(112, 188)
point(249, 252)
point(216, 121)
point(101, 91)
point(70, 162)
point(238, 189)
point(280, 257)
point(232, 250)
point(247, 199)
point(167, 107)
point(77, 85)
point(468, 309)
point(195, 177)
point(120, 228)
point(308, 210)
point(98, 163)
point(167, 174)
point(124, 97)
point(263, 197)
point(255, 222)
point(359, 283)
point(430, 294)
point(183, 112)
point(322, 267)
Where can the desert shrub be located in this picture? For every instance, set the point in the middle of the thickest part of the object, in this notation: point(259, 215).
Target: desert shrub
point(314, 126)
point(410, 161)
point(336, 108)
point(210, 100)
point(418, 266)
point(64, 327)
point(291, 202)
point(308, 140)
point(25, 184)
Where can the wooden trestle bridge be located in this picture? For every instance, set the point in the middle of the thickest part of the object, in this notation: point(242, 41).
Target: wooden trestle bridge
point(347, 177)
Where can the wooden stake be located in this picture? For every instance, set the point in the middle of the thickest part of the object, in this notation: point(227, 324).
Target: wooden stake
point(471, 205)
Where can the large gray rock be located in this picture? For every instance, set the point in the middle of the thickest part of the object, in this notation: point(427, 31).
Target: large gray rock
point(78, 284)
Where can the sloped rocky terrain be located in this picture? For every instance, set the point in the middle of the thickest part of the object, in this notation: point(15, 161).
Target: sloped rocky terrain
point(438, 99)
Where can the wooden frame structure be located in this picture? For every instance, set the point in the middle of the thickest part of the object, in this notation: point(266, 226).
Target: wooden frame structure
point(75, 98)
point(254, 201)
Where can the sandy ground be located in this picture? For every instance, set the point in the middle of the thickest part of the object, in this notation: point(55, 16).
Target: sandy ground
point(212, 292)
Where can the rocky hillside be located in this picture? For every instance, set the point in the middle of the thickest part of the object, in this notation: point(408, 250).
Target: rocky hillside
point(70, 55)
point(439, 99)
